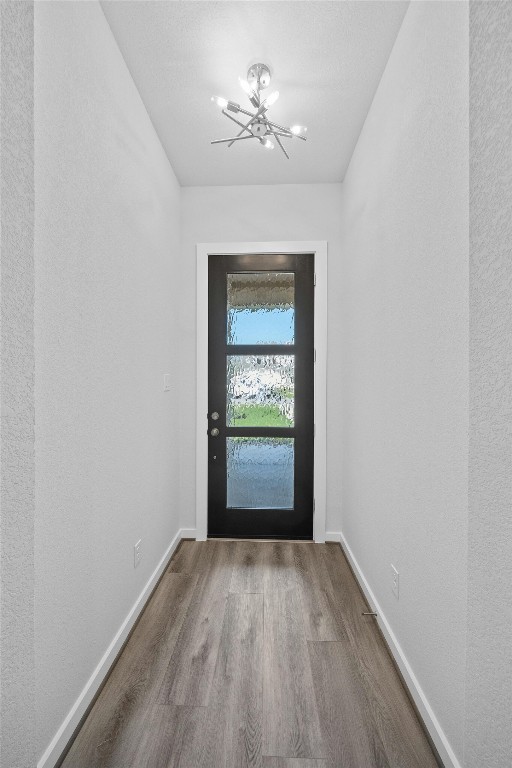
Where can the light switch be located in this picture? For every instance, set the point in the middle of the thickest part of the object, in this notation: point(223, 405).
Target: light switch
point(167, 382)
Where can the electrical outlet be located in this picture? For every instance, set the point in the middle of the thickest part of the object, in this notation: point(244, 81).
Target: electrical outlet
point(137, 553)
point(167, 382)
point(395, 583)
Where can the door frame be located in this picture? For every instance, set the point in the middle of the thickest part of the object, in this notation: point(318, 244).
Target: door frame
point(203, 251)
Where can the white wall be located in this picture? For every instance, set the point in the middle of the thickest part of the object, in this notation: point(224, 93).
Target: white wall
point(107, 246)
point(255, 213)
point(404, 350)
point(489, 658)
point(17, 455)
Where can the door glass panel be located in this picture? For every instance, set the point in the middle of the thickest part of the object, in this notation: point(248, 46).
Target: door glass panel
point(260, 472)
point(260, 390)
point(261, 308)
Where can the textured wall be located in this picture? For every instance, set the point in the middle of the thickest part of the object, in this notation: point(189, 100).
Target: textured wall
point(259, 213)
point(489, 660)
point(404, 342)
point(107, 245)
point(17, 455)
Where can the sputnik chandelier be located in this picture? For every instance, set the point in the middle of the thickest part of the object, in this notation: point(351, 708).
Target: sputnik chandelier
point(258, 126)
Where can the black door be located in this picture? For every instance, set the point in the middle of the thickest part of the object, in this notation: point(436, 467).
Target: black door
point(261, 396)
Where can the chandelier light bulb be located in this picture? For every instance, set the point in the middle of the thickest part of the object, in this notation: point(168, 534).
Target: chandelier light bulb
point(245, 86)
point(298, 130)
point(272, 99)
point(251, 93)
point(220, 102)
point(267, 143)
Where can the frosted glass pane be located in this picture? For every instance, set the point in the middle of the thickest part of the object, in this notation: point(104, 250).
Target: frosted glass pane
point(261, 308)
point(260, 472)
point(260, 390)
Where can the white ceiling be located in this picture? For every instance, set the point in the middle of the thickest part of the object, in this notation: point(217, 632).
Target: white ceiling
point(326, 60)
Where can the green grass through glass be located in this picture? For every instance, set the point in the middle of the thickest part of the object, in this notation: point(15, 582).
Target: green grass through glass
point(259, 416)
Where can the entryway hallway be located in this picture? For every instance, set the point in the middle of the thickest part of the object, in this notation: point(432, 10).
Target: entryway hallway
point(254, 654)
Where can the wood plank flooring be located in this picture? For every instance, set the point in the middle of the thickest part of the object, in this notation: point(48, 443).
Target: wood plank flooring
point(253, 655)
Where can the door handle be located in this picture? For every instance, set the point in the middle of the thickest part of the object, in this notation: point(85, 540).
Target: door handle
point(214, 432)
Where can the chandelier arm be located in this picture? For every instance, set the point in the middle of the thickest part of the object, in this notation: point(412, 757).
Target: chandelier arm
point(235, 138)
point(279, 127)
point(255, 98)
point(246, 112)
point(233, 119)
point(286, 131)
point(280, 144)
point(261, 111)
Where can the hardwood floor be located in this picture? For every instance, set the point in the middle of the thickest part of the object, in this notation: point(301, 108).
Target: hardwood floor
point(253, 655)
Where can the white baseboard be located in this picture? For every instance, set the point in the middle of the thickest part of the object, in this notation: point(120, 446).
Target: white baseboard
point(189, 533)
point(59, 742)
point(72, 720)
point(435, 731)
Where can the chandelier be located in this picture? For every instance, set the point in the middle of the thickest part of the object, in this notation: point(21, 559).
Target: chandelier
point(258, 126)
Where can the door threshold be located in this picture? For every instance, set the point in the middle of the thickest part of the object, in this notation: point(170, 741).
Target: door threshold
point(260, 539)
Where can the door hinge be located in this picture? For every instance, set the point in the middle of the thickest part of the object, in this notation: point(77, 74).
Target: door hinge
point(314, 279)
point(315, 355)
point(314, 505)
point(314, 430)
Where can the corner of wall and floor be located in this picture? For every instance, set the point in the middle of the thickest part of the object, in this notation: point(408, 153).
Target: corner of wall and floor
point(427, 361)
point(404, 342)
point(90, 244)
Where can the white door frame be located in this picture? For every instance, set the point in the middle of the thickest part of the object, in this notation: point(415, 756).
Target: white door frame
point(319, 248)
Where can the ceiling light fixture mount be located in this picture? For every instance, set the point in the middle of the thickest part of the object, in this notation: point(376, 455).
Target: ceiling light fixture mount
point(258, 126)
point(258, 77)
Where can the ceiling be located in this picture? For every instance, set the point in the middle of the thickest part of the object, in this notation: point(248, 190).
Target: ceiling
point(326, 60)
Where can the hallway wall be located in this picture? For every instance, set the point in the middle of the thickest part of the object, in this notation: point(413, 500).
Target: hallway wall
point(17, 453)
point(404, 351)
point(489, 657)
point(107, 246)
point(256, 213)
